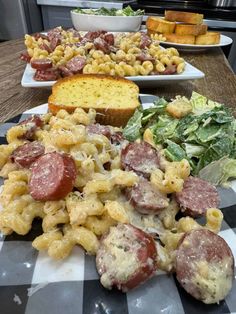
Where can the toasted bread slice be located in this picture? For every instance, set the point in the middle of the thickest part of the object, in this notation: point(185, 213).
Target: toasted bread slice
point(114, 98)
point(159, 25)
point(210, 38)
point(180, 39)
point(184, 17)
point(188, 29)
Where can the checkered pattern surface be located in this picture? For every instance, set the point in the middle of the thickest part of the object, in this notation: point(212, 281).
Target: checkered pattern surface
point(72, 286)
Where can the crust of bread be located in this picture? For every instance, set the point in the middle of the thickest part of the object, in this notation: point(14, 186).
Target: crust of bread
point(180, 39)
point(114, 98)
point(188, 29)
point(184, 17)
point(210, 38)
point(160, 25)
point(114, 117)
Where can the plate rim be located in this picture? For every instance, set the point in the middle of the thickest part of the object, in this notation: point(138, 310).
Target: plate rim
point(192, 73)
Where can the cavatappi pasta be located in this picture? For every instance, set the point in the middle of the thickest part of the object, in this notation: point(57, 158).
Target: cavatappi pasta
point(126, 59)
point(97, 201)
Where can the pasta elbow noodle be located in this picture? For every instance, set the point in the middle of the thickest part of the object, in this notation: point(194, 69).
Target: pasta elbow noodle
point(214, 218)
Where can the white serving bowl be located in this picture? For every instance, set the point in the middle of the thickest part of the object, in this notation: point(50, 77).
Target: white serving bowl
point(87, 22)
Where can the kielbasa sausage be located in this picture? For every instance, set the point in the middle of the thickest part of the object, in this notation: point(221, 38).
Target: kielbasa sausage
point(197, 196)
point(205, 265)
point(126, 257)
point(53, 177)
point(141, 158)
point(145, 198)
point(26, 154)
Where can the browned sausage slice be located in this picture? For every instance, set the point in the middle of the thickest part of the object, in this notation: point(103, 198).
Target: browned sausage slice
point(41, 64)
point(92, 35)
point(53, 176)
point(170, 69)
point(145, 40)
point(145, 198)
point(117, 138)
point(32, 124)
point(76, 64)
point(145, 57)
point(197, 195)
point(126, 257)
point(25, 56)
point(109, 38)
point(40, 35)
point(26, 154)
point(205, 265)
point(101, 44)
point(47, 75)
point(99, 129)
point(142, 158)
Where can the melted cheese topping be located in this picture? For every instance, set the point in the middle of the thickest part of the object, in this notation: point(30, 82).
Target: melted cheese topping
point(120, 258)
point(214, 280)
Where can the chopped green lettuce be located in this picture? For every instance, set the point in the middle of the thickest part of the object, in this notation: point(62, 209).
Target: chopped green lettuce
point(201, 104)
point(203, 136)
point(174, 152)
point(143, 118)
point(219, 171)
point(193, 150)
point(164, 129)
point(127, 11)
point(132, 130)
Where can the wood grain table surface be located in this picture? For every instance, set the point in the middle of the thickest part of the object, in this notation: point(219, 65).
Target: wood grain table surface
point(219, 83)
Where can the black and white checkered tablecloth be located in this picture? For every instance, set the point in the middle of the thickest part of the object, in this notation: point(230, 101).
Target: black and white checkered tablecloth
point(72, 286)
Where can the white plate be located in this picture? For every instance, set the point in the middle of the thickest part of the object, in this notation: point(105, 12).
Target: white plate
point(224, 41)
point(190, 73)
point(30, 281)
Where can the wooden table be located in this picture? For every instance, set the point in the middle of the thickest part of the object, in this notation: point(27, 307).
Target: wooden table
point(219, 83)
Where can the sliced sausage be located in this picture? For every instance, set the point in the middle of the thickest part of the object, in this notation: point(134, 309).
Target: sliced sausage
point(25, 56)
point(109, 38)
point(144, 57)
point(101, 44)
point(170, 69)
point(64, 71)
point(76, 64)
point(41, 64)
point(32, 124)
point(197, 196)
point(145, 198)
point(92, 35)
point(44, 46)
point(53, 176)
point(83, 42)
point(47, 75)
point(126, 257)
point(40, 35)
point(75, 33)
point(55, 33)
point(142, 158)
point(145, 41)
point(205, 265)
point(99, 129)
point(54, 42)
point(26, 154)
point(117, 138)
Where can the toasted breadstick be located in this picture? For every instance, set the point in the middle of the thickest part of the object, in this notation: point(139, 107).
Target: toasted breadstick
point(160, 25)
point(210, 38)
point(184, 17)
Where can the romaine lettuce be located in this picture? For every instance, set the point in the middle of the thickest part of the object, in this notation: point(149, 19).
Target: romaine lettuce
point(219, 171)
point(203, 136)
